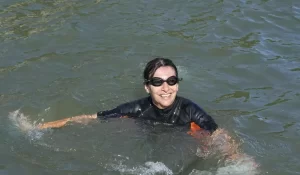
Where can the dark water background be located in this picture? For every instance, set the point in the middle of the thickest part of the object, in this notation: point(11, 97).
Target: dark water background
point(239, 60)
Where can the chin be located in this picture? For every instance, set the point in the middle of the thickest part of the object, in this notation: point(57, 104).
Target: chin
point(165, 105)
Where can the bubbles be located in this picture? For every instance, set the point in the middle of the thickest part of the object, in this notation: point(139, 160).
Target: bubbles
point(23, 123)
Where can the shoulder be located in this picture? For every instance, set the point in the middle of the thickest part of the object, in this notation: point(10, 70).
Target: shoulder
point(136, 103)
point(189, 105)
point(187, 102)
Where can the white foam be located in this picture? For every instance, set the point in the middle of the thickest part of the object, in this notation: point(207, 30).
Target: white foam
point(244, 166)
point(197, 172)
point(23, 123)
point(150, 168)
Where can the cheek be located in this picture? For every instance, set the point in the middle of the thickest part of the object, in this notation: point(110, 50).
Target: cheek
point(155, 90)
point(152, 90)
point(175, 88)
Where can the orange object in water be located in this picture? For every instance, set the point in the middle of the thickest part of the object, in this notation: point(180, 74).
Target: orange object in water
point(196, 131)
point(195, 127)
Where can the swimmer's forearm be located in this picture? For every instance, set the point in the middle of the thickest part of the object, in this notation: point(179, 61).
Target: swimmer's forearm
point(54, 124)
point(63, 122)
point(224, 143)
point(80, 117)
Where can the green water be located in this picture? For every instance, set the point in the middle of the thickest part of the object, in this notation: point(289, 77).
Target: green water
point(239, 60)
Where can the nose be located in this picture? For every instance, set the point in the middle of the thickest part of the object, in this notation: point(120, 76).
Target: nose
point(165, 86)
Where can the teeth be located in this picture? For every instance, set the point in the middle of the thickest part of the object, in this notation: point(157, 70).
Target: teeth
point(166, 95)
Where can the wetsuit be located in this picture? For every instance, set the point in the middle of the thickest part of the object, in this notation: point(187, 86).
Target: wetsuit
point(181, 112)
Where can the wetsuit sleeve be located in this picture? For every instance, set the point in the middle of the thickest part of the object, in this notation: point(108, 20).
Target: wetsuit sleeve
point(130, 109)
point(114, 113)
point(202, 119)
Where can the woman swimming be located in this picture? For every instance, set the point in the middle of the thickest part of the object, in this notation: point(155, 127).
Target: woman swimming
point(161, 82)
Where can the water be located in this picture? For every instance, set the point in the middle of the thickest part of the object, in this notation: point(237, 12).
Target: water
point(239, 61)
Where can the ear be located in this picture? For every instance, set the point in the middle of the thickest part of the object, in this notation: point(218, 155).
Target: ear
point(147, 88)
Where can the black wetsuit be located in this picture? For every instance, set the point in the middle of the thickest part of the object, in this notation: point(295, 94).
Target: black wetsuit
point(182, 112)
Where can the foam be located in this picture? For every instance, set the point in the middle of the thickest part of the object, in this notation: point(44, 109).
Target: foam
point(244, 166)
point(150, 168)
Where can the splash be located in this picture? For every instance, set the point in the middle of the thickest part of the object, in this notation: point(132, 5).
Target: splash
point(150, 168)
point(244, 168)
point(23, 123)
point(244, 165)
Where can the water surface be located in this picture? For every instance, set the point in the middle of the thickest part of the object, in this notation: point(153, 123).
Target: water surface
point(239, 61)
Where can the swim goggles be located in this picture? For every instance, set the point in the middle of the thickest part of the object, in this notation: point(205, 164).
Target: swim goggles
point(156, 81)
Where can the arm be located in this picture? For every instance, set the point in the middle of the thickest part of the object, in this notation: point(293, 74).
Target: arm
point(221, 142)
point(120, 111)
point(218, 141)
point(222, 145)
point(63, 122)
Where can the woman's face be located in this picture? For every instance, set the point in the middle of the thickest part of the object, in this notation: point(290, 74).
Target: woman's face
point(163, 96)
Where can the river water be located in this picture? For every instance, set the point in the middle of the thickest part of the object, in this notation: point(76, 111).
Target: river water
point(239, 60)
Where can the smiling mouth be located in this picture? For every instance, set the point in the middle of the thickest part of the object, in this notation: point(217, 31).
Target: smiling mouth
point(165, 95)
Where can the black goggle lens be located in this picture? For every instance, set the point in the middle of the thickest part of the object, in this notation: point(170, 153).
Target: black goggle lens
point(155, 81)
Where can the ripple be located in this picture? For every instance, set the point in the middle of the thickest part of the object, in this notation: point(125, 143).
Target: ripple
point(179, 34)
point(272, 22)
point(236, 94)
point(259, 88)
point(277, 101)
point(295, 69)
point(21, 20)
point(15, 67)
point(246, 41)
point(6, 99)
